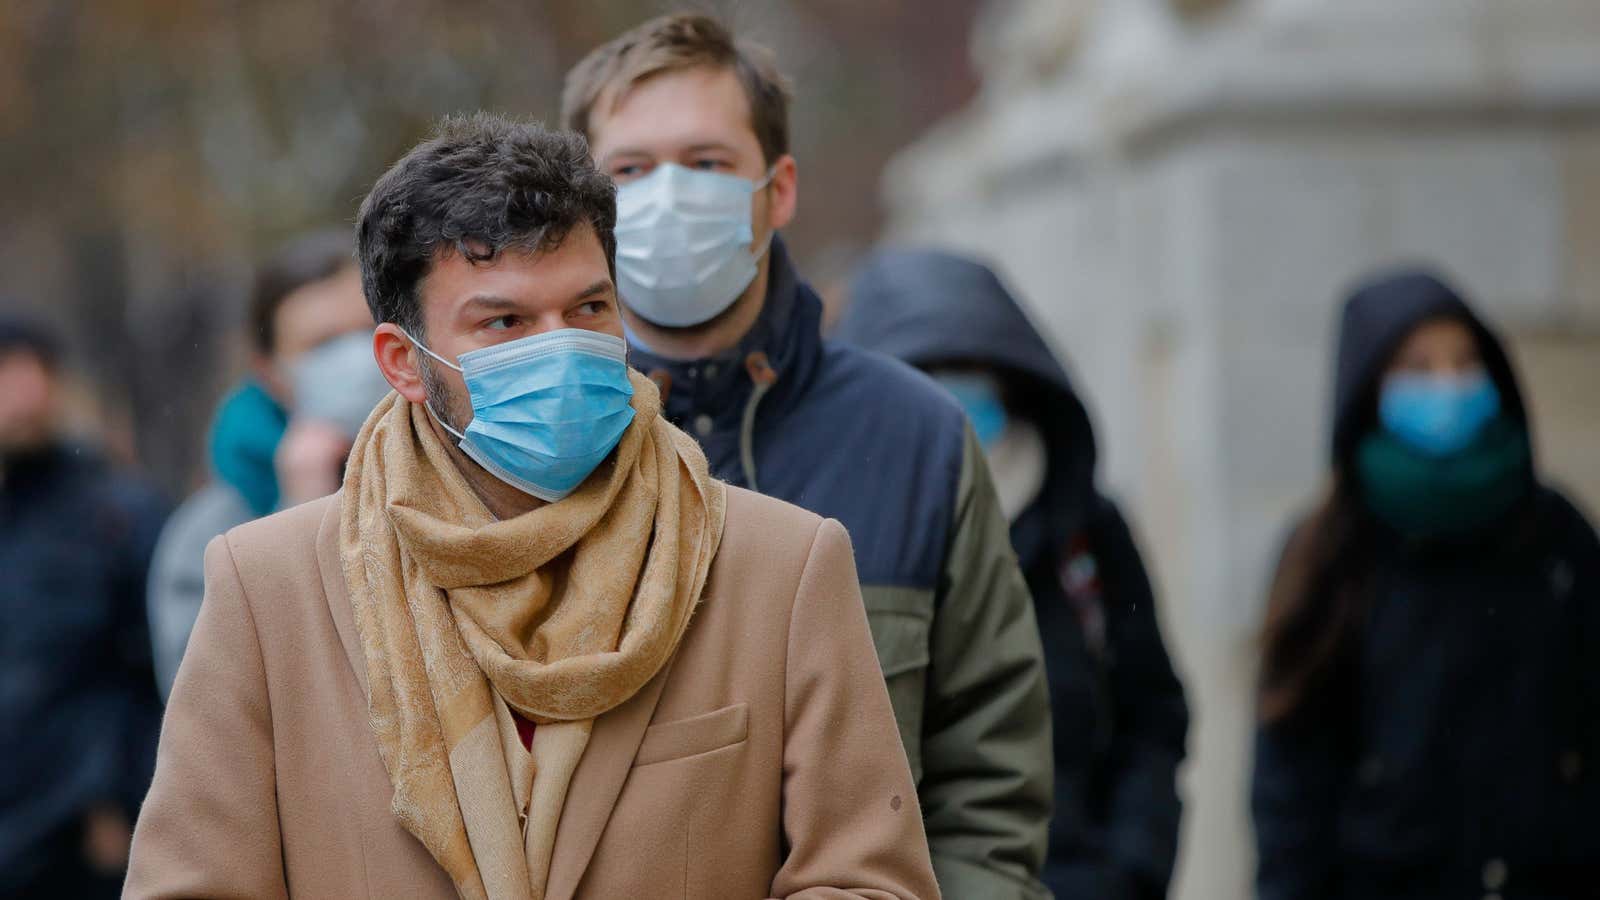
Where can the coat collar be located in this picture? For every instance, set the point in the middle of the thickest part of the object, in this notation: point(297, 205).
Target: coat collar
point(788, 333)
point(600, 773)
point(337, 593)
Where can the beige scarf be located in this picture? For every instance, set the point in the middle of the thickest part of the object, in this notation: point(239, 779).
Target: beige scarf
point(563, 613)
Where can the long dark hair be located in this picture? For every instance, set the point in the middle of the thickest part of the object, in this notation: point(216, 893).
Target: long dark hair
point(1317, 604)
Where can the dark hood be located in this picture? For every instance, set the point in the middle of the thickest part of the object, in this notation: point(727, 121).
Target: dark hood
point(1378, 315)
point(930, 309)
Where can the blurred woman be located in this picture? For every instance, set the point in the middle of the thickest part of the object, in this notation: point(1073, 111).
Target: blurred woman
point(1430, 694)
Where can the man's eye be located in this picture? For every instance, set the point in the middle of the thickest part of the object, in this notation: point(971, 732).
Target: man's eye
point(503, 323)
point(593, 308)
point(630, 170)
point(710, 165)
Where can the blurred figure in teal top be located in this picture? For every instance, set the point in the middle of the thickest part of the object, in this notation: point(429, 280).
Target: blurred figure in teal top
point(281, 437)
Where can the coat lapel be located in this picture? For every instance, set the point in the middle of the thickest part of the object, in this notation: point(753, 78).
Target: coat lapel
point(596, 784)
point(600, 774)
point(335, 591)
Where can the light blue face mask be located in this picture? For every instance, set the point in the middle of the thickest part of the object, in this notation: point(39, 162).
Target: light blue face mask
point(1439, 415)
point(546, 409)
point(979, 396)
point(338, 382)
point(683, 244)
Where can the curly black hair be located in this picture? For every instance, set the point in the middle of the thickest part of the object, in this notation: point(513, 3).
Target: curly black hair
point(479, 184)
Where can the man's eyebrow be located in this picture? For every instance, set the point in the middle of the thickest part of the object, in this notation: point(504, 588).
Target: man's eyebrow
point(708, 145)
point(491, 302)
point(622, 152)
point(603, 286)
point(625, 152)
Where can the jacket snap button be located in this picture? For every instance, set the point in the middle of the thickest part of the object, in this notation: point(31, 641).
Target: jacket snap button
point(1571, 765)
point(703, 424)
point(1494, 874)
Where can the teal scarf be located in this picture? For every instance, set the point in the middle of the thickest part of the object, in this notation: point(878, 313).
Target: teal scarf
point(1428, 497)
point(244, 437)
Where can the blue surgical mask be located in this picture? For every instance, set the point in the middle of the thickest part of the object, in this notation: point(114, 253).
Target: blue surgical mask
point(1439, 415)
point(979, 396)
point(683, 239)
point(338, 382)
point(546, 409)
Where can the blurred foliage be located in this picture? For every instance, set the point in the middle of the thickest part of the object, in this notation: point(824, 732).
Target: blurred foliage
point(154, 149)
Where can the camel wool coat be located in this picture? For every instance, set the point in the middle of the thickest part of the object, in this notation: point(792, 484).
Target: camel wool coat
point(762, 762)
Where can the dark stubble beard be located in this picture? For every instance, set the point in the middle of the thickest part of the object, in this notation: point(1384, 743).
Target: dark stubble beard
point(440, 399)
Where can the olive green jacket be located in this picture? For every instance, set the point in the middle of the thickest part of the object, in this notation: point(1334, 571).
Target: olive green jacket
point(965, 671)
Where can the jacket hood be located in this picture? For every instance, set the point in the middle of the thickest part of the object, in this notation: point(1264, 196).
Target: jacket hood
point(1378, 315)
point(931, 309)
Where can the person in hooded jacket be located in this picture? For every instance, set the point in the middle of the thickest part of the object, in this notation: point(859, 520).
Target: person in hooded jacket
point(1429, 709)
point(1119, 713)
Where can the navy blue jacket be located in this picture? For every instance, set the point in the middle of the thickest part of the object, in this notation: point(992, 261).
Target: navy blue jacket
point(78, 707)
point(1457, 752)
point(1119, 712)
point(872, 442)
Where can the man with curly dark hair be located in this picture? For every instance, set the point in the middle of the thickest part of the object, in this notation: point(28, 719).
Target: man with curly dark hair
point(532, 648)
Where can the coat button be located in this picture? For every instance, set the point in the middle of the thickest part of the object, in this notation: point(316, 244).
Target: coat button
point(1571, 766)
point(703, 425)
point(1495, 873)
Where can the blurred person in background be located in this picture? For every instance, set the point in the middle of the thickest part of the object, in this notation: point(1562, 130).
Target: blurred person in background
point(281, 437)
point(1118, 708)
point(1430, 689)
point(693, 126)
point(78, 710)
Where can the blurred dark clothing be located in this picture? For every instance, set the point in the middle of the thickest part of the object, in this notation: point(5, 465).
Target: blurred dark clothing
point(78, 708)
point(1120, 719)
point(1454, 752)
point(870, 441)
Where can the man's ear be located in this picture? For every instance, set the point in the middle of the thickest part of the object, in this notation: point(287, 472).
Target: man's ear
point(398, 359)
point(783, 193)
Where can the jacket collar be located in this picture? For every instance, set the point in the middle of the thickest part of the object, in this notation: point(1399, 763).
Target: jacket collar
point(788, 334)
point(605, 763)
point(37, 469)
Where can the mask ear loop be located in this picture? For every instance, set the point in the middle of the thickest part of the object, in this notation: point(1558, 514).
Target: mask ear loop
point(428, 404)
point(766, 245)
